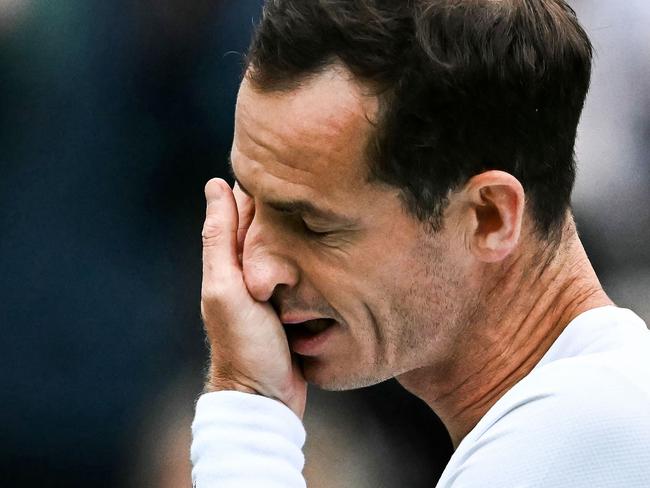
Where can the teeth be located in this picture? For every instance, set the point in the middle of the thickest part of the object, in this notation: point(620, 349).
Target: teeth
point(318, 325)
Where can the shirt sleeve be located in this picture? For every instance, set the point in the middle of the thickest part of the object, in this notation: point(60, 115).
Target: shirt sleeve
point(240, 440)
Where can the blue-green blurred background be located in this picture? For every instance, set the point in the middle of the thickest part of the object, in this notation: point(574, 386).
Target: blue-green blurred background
point(113, 115)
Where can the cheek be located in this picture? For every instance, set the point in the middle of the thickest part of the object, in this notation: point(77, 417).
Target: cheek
point(420, 281)
point(351, 293)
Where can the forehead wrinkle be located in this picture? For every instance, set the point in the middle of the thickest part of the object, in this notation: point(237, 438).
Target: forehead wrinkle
point(261, 159)
point(265, 150)
point(257, 161)
point(261, 181)
point(313, 116)
point(276, 190)
point(303, 145)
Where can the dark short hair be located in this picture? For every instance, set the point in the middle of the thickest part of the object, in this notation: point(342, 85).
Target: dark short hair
point(464, 86)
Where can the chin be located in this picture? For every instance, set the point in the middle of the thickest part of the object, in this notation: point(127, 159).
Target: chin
point(334, 378)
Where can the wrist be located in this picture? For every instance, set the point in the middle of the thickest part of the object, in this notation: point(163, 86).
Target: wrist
point(215, 384)
point(222, 382)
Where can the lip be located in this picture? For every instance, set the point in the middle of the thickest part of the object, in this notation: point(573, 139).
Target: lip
point(290, 319)
point(311, 345)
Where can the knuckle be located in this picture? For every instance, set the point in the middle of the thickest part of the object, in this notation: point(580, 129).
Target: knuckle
point(212, 230)
point(214, 234)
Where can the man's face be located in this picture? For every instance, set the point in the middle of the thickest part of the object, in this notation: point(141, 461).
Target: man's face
point(325, 243)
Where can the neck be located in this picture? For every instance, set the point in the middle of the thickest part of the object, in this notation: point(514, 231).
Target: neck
point(528, 305)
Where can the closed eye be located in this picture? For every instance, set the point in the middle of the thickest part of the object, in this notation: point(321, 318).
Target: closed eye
point(312, 231)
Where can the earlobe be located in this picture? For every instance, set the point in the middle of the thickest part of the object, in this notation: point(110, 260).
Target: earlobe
point(496, 202)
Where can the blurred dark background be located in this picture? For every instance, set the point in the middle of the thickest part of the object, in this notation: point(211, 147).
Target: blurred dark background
point(113, 115)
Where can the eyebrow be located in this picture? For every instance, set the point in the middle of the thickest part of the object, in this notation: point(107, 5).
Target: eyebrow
point(296, 207)
point(303, 207)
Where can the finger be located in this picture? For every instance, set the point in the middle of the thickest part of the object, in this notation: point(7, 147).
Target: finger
point(220, 263)
point(246, 210)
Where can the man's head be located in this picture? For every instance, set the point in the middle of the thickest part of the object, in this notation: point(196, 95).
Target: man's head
point(427, 133)
point(464, 86)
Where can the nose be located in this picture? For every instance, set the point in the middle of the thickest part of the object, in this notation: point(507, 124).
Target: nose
point(266, 262)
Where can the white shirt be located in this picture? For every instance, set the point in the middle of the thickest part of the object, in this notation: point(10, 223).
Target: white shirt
point(580, 418)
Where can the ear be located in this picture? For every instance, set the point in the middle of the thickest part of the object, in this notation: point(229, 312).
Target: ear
point(496, 203)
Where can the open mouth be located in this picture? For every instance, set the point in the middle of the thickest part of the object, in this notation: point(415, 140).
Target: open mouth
point(304, 335)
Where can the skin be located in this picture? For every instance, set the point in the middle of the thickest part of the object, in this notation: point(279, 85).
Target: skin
point(458, 315)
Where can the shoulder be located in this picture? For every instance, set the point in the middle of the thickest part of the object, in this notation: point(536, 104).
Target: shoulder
point(580, 421)
point(607, 385)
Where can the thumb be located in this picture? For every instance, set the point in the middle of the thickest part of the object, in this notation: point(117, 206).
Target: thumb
point(220, 264)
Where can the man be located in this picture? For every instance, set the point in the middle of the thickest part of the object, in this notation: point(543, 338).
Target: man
point(402, 210)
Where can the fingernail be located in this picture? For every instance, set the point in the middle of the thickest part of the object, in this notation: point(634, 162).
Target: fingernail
point(213, 190)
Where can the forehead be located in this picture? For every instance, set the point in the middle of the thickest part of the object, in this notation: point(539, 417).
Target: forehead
point(314, 135)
